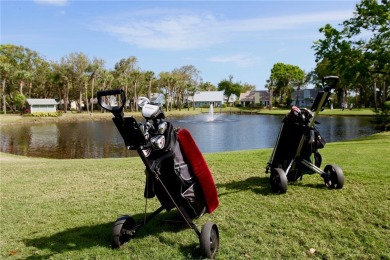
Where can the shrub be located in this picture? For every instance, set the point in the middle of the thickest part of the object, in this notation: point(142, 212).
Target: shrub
point(47, 114)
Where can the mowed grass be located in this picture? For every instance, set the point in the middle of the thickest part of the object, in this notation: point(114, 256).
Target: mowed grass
point(65, 209)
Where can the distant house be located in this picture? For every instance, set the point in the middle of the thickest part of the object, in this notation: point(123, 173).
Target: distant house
point(232, 99)
point(158, 98)
point(206, 98)
point(251, 98)
point(303, 97)
point(42, 105)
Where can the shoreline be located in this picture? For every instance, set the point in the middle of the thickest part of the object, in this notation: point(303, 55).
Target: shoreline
point(15, 119)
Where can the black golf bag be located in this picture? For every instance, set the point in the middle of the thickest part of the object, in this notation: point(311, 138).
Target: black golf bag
point(176, 172)
point(296, 150)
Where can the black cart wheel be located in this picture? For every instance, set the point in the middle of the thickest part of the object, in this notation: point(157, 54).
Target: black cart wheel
point(278, 181)
point(335, 176)
point(122, 231)
point(209, 240)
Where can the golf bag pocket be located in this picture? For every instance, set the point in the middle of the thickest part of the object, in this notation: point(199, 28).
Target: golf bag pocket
point(197, 207)
point(182, 171)
point(181, 167)
point(149, 186)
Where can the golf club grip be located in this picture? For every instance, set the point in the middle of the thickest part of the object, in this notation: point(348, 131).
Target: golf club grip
point(110, 92)
point(335, 80)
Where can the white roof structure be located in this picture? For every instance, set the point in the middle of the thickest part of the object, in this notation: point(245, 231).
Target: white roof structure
point(209, 96)
point(41, 101)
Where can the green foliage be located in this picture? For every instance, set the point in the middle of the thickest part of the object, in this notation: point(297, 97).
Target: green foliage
point(19, 100)
point(207, 86)
point(284, 78)
point(65, 209)
point(358, 53)
point(287, 75)
point(382, 118)
point(47, 114)
point(232, 88)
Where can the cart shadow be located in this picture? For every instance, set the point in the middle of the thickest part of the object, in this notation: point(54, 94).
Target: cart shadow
point(80, 238)
point(258, 185)
point(309, 185)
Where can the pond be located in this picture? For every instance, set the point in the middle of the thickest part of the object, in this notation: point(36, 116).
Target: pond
point(100, 139)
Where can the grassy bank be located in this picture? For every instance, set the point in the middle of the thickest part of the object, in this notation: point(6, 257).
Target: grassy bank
point(64, 209)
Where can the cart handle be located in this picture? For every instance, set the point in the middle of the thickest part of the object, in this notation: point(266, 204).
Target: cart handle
point(116, 110)
point(331, 82)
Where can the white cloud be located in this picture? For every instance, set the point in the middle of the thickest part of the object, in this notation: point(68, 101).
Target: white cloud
point(52, 2)
point(239, 60)
point(181, 30)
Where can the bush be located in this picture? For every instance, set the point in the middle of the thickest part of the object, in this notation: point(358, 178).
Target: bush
point(382, 119)
point(259, 105)
point(47, 114)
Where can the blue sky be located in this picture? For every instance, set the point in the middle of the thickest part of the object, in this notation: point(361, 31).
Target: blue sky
point(220, 38)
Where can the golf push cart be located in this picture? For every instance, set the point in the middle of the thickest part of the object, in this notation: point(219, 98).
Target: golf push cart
point(176, 172)
point(298, 143)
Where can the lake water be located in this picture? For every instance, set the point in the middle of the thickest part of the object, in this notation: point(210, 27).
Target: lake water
point(101, 139)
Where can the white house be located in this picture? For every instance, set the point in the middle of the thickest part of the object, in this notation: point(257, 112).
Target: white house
point(206, 98)
point(42, 105)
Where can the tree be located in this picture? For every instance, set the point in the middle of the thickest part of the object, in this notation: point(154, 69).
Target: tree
point(20, 101)
point(149, 77)
point(229, 87)
point(186, 82)
point(166, 82)
point(122, 73)
point(19, 67)
point(247, 87)
point(285, 77)
point(358, 53)
point(95, 70)
point(76, 66)
point(372, 18)
point(135, 78)
point(270, 86)
point(5, 71)
point(207, 86)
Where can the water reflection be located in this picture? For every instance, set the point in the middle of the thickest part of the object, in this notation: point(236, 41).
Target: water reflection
point(99, 139)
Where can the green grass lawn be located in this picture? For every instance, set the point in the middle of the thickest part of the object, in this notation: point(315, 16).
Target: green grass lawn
point(65, 209)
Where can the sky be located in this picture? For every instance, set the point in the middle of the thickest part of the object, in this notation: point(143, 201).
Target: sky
point(243, 39)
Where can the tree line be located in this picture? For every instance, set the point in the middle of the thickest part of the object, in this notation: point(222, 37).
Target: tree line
point(76, 77)
point(361, 63)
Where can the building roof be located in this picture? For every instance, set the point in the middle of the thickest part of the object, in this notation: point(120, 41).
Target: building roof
point(249, 96)
point(41, 101)
point(209, 96)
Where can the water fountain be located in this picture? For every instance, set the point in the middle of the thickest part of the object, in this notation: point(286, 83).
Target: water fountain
point(210, 116)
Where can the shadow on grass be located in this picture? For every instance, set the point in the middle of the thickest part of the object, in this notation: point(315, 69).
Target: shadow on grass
point(81, 238)
point(261, 185)
point(258, 185)
point(319, 185)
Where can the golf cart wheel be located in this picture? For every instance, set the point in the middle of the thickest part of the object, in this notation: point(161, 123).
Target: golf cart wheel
point(122, 231)
point(278, 181)
point(335, 176)
point(209, 240)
